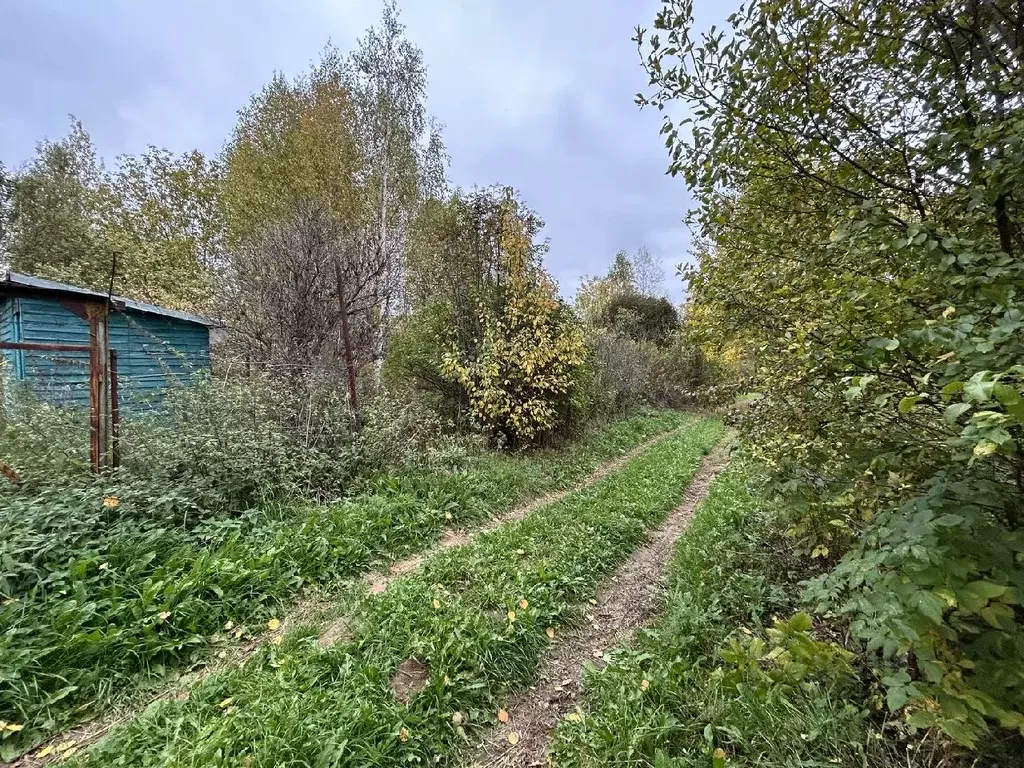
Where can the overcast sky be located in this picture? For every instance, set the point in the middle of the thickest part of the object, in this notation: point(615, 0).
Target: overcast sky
point(537, 94)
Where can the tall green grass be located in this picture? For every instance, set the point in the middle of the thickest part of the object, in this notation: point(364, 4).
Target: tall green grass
point(475, 616)
point(96, 601)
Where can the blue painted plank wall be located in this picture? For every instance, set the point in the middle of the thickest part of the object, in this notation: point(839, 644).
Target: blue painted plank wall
point(10, 331)
point(154, 352)
point(61, 378)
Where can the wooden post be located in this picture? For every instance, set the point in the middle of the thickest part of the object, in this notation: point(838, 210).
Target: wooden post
point(99, 378)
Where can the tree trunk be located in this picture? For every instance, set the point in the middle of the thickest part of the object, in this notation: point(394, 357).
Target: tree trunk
point(346, 340)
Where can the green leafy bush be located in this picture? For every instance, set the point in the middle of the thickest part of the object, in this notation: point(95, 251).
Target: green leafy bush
point(644, 318)
point(674, 374)
point(415, 356)
point(520, 375)
point(226, 444)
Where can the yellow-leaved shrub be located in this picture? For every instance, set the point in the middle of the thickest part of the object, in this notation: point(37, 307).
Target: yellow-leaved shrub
point(522, 369)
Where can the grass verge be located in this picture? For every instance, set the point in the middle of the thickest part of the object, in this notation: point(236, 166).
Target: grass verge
point(475, 619)
point(720, 680)
point(106, 600)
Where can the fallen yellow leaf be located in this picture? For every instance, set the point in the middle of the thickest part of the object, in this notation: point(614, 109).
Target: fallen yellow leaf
point(274, 624)
point(645, 684)
point(513, 738)
point(44, 752)
point(437, 604)
point(550, 632)
point(502, 716)
point(227, 702)
point(573, 717)
point(14, 727)
point(64, 746)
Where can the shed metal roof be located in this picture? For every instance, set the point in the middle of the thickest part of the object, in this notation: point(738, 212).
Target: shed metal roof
point(34, 284)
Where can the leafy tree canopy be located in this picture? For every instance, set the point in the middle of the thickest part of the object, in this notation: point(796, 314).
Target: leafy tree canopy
point(859, 175)
point(149, 227)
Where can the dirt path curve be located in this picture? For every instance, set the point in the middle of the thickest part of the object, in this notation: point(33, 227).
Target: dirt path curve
point(624, 602)
point(338, 630)
point(379, 581)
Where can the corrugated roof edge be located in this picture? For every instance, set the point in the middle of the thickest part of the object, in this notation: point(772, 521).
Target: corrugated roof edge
point(30, 282)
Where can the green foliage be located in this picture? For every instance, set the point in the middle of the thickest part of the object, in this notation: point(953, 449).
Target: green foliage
point(860, 178)
point(475, 617)
point(639, 352)
point(225, 444)
point(403, 434)
point(789, 660)
point(628, 372)
point(636, 274)
point(456, 255)
point(151, 223)
point(163, 222)
point(488, 334)
point(295, 143)
point(113, 581)
point(416, 348)
point(523, 368)
point(644, 318)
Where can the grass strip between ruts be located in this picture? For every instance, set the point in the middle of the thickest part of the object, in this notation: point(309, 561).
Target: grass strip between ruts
point(476, 616)
point(698, 688)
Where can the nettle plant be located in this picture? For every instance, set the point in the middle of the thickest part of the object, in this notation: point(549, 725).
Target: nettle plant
point(860, 171)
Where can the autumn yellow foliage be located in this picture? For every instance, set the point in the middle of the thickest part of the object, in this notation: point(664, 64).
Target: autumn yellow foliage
point(522, 369)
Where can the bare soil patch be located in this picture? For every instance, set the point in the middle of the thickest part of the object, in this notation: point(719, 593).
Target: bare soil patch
point(624, 602)
point(410, 678)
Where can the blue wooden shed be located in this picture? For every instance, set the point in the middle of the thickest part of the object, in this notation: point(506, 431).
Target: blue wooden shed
point(54, 336)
